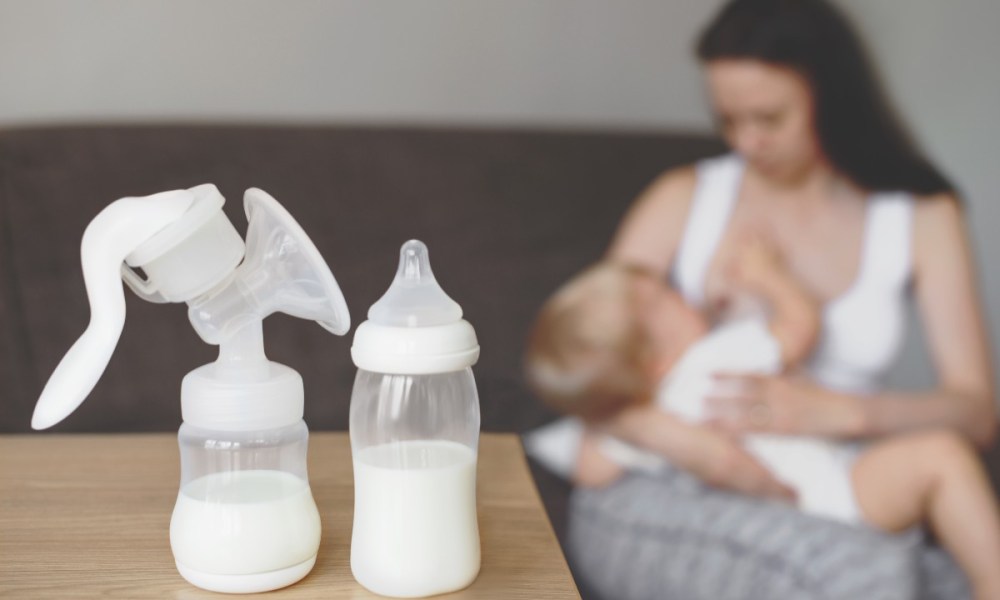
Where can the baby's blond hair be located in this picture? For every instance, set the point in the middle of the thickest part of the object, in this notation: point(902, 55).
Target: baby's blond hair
point(588, 352)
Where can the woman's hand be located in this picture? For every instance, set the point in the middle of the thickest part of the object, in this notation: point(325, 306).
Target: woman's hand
point(741, 403)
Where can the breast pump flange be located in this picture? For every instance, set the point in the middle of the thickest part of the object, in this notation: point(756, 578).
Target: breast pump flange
point(243, 440)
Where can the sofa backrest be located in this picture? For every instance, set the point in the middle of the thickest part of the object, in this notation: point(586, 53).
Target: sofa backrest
point(507, 215)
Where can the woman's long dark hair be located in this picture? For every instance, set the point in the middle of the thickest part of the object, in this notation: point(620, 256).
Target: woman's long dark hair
point(857, 129)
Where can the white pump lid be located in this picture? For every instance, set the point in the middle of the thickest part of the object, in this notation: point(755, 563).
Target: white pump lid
point(415, 328)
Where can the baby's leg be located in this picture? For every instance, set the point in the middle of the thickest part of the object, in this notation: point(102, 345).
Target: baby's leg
point(934, 477)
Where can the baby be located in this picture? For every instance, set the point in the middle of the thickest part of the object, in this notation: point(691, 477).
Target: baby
point(617, 335)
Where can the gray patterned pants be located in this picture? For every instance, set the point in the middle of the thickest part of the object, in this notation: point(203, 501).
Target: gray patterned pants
point(668, 536)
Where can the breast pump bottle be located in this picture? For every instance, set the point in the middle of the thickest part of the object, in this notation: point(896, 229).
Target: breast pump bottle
point(414, 429)
point(245, 519)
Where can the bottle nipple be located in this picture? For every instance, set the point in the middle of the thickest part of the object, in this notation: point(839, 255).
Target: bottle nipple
point(414, 299)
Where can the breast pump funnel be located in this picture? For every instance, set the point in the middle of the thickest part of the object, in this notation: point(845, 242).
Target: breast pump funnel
point(245, 519)
point(282, 272)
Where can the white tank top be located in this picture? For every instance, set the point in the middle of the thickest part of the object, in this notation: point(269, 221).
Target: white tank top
point(863, 327)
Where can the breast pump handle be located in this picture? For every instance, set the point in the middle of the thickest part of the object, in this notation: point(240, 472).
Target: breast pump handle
point(115, 232)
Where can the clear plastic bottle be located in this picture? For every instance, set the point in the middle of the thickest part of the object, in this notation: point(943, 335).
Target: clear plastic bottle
point(245, 519)
point(414, 438)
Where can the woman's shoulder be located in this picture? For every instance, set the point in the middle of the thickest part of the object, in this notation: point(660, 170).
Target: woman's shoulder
point(667, 197)
point(938, 225)
point(929, 212)
point(941, 204)
point(934, 214)
point(711, 166)
point(675, 182)
point(652, 229)
point(677, 185)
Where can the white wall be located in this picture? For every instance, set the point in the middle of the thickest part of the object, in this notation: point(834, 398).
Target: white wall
point(580, 63)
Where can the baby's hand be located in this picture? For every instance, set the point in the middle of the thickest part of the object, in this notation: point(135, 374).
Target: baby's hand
point(756, 260)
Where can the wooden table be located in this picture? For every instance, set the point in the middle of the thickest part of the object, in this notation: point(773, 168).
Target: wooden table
point(88, 516)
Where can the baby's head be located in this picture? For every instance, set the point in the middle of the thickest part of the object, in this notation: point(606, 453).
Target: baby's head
point(604, 340)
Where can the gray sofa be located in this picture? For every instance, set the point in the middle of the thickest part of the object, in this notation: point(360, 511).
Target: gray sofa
point(507, 215)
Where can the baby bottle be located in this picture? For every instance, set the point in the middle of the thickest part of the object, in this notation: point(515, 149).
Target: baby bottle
point(414, 429)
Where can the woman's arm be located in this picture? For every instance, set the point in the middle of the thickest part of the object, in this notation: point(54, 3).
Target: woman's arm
point(947, 293)
point(948, 298)
point(651, 229)
point(711, 456)
point(593, 468)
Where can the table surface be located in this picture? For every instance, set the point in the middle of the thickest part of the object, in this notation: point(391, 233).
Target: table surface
point(88, 515)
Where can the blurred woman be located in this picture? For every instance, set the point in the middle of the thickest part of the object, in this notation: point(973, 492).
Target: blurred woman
point(822, 167)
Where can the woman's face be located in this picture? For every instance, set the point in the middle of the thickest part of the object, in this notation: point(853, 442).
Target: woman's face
point(765, 113)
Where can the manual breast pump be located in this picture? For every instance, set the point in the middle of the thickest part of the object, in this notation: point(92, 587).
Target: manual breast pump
point(245, 519)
